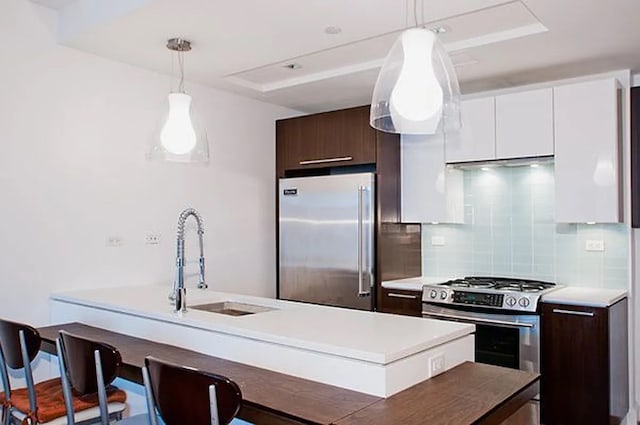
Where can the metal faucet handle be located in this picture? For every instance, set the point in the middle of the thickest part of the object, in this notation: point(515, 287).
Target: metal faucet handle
point(202, 285)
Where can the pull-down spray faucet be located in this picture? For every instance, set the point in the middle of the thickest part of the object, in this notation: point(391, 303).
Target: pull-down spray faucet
point(179, 292)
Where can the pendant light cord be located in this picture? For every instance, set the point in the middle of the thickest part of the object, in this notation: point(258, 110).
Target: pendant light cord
point(181, 66)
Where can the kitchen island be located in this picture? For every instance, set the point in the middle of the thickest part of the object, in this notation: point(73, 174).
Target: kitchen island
point(372, 353)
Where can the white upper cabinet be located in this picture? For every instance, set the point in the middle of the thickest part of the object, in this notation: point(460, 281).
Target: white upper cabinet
point(476, 139)
point(524, 124)
point(587, 174)
point(431, 192)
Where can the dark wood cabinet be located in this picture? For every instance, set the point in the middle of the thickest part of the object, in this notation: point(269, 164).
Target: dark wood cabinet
point(584, 364)
point(323, 140)
point(398, 301)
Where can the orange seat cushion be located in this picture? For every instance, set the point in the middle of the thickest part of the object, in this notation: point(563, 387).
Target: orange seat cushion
point(51, 400)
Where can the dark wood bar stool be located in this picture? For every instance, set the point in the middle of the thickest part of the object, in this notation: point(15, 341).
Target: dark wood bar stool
point(88, 368)
point(184, 395)
point(41, 403)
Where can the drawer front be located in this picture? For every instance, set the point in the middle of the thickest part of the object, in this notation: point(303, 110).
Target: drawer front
point(396, 301)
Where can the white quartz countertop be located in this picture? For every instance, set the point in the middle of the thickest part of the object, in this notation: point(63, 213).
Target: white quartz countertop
point(367, 336)
point(414, 283)
point(591, 297)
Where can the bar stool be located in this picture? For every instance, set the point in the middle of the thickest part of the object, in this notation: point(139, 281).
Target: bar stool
point(184, 395)
point(41, 403)
point(88, 368)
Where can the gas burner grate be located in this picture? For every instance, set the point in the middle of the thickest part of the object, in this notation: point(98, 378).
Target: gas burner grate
point(499, 284)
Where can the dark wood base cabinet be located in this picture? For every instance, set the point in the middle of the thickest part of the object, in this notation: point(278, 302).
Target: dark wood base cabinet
point(584, 364)
point(398, 301)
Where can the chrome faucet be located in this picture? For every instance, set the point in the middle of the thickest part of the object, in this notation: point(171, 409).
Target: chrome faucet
point(179, 292)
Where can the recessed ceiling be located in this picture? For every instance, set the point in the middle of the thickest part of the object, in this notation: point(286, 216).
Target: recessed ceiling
point(243, 46)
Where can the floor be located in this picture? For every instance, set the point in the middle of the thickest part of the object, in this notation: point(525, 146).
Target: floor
point(527, 415)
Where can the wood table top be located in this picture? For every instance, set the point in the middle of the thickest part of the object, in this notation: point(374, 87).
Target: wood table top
point(470, 393)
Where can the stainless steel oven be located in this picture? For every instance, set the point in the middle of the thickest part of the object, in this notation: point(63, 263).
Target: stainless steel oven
point(502, 338)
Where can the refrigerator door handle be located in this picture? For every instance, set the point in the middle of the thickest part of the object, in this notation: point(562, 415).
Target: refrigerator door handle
point(363, 284)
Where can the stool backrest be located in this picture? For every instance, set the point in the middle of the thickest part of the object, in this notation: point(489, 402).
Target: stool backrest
point(181, 394)
point(20, 344)
point(80, 362)
point(10, 341)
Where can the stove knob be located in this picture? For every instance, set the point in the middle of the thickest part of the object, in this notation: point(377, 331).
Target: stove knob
point(524, 302)
point(443, 295)
point(433, 293)
point(510, 301)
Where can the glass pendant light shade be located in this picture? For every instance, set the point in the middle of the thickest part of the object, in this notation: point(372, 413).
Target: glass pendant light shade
point(179, 138)
point(177, 135)
point(417, 90)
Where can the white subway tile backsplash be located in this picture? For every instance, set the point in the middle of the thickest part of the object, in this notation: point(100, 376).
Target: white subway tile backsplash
point(510, 231)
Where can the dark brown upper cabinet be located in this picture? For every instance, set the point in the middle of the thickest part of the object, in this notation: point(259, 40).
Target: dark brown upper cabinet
point(329, 139)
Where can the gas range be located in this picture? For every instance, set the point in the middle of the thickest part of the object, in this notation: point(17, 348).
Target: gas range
point(498, 293)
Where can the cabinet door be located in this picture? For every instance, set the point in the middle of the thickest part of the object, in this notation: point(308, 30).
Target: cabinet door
point(477, 137)
point(587, 175)
point(325, 140)
point(524, 124)
point(399, 301)
point(574, 365)
point(430, 191)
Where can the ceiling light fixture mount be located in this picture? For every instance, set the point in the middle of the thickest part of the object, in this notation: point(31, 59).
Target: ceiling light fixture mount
point(179, 140)
point(179, 45)
point(417, 90)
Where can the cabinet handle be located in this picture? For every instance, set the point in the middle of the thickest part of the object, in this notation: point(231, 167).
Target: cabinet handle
point(409, 297)
point(322, 161)
point(575, 313)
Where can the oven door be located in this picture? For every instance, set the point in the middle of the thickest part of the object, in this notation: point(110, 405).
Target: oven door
point(509, 339)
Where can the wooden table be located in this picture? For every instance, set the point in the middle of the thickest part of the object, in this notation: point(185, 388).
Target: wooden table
point(471, 393)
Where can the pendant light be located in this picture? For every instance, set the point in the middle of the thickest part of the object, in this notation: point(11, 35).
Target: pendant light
point(417, 90)
point(179, 139)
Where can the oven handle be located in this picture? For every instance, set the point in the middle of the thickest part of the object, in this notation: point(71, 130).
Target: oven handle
point(479, 320)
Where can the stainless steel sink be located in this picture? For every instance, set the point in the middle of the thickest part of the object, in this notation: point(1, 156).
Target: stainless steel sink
point(231, 308)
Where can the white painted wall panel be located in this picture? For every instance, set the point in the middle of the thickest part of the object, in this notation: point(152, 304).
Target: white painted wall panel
point(74, 130)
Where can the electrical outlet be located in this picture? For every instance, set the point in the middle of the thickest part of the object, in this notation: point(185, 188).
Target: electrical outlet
point(594, 245)
point(437, 240)
point(436, 365)
point(114, 241)
point(152, 239)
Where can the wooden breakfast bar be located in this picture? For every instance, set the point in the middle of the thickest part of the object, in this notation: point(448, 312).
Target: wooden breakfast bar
point(470, 393)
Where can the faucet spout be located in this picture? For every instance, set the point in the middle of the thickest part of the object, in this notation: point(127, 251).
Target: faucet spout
point(178, 293)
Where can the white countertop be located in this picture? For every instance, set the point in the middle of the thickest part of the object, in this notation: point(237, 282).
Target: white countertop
point(591, 297)
point(415, 283)
point(362, 335)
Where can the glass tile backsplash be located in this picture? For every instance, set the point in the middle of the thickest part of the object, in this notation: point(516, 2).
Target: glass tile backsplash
point(510, 231)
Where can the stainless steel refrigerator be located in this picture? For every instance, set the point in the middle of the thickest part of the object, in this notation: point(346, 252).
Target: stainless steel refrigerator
point(326, 240)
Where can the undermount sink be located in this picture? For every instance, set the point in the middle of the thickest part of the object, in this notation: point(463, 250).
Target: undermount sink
point(232, 308)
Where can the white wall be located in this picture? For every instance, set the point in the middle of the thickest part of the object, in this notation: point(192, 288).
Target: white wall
point(74, 130)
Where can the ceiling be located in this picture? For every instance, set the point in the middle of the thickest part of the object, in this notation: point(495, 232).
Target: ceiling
point(244, 46)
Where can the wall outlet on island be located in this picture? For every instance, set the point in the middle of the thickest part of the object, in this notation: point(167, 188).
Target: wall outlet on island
point(152, 239)
point(436, 365)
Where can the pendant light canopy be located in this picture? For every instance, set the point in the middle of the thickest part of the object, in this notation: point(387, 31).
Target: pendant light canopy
point(417, 90)
point(179, 140)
